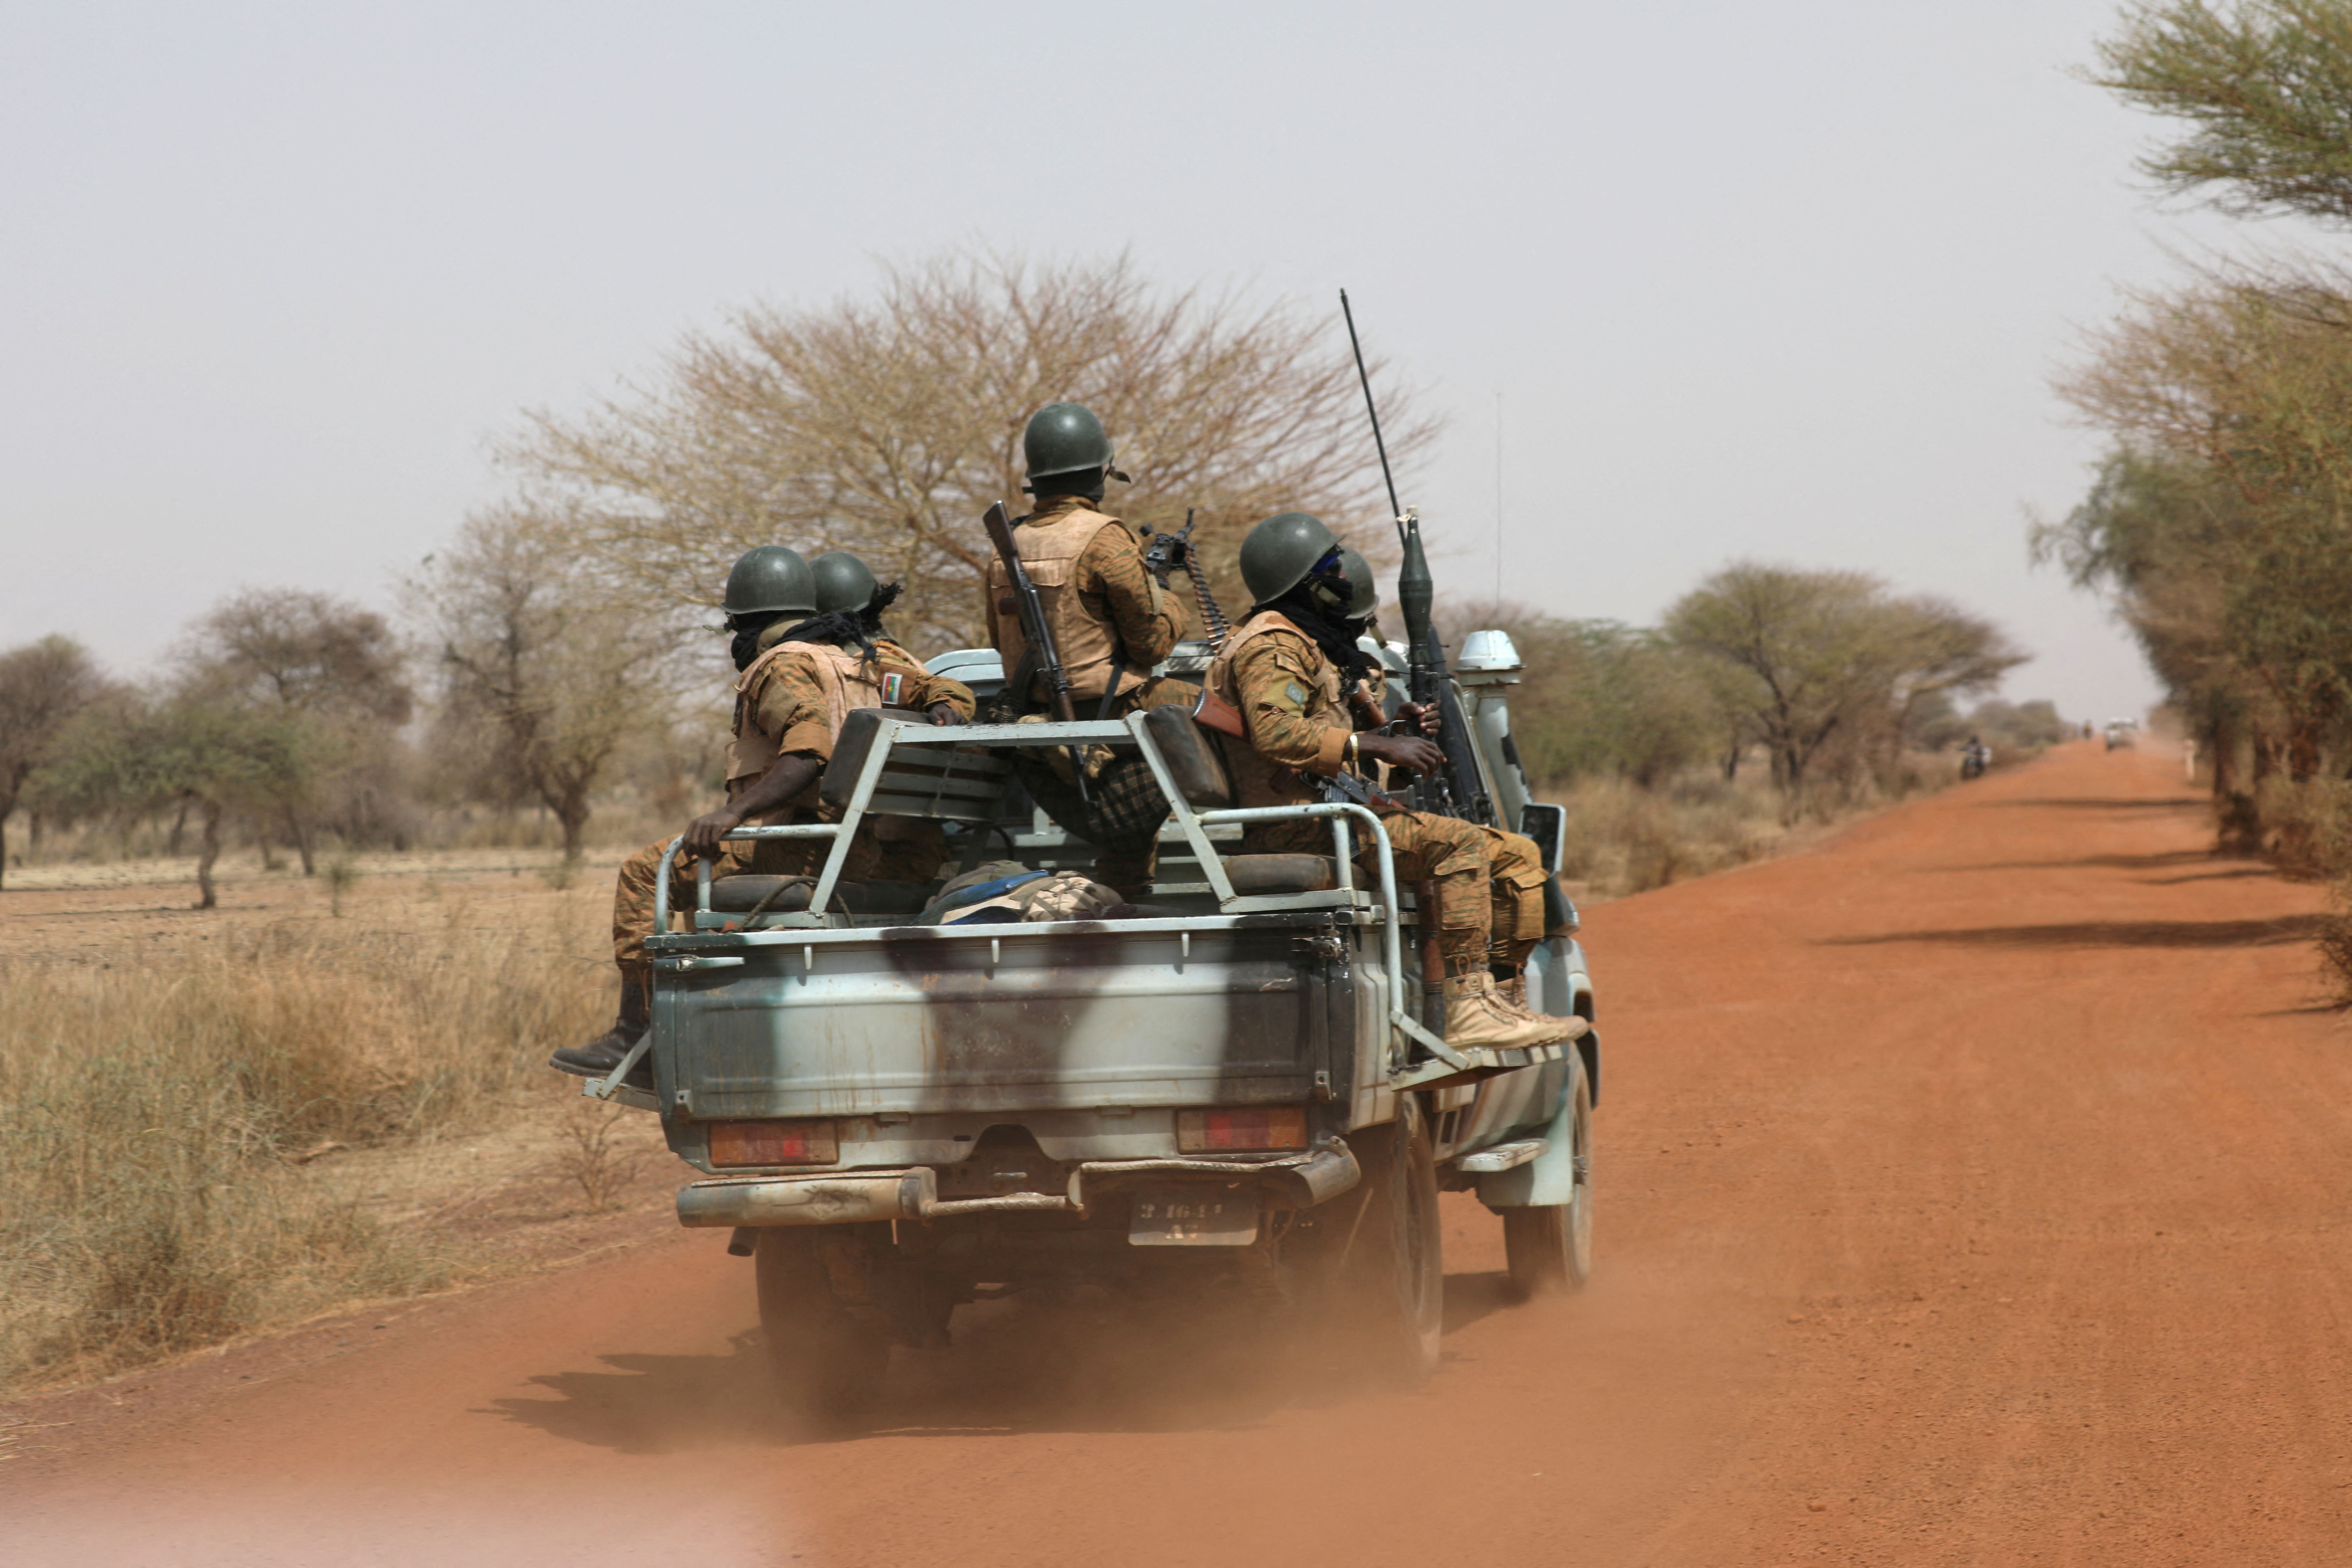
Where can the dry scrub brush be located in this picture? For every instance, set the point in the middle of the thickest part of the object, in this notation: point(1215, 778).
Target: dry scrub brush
point(151, 1116)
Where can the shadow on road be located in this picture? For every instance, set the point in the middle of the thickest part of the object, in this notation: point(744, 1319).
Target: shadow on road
point(2083, 802)
point(1016, 1366)
point(2111, 933)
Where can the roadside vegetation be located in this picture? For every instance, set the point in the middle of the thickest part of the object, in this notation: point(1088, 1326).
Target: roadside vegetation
point(176, 1128)
point(2220, 524)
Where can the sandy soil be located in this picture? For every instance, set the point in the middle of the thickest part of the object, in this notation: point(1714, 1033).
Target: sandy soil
point(1972, 1192)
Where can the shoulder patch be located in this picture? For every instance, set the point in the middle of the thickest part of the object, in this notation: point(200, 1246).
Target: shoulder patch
point(1295, 691)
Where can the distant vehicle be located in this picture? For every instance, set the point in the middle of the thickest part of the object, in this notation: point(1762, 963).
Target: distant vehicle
point(2122, 733)
point(1975, 758)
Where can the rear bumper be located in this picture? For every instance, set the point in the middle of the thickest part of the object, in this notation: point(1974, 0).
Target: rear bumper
point(850, 1198)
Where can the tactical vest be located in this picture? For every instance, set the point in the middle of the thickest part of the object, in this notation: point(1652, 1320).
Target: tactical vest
point(1050, 551)
point(848, 682)
point(1257, 781)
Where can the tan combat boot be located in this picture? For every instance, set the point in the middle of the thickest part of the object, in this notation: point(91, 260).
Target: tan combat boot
point(1476, 1019)
point(1512, 995)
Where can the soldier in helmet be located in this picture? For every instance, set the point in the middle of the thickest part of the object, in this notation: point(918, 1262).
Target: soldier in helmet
point(1519, 921)
point(1289, 668)
point(1111, 619)
point(807, 643)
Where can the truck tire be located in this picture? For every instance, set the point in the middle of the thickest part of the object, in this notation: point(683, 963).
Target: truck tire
point(1396, 1280)
point(1550, 1246)
point(828, 1364)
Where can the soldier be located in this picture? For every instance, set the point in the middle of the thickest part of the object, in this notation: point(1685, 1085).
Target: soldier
point(1288, 668)
point(1112, 622)
point(1518, 923)
point(804, 665)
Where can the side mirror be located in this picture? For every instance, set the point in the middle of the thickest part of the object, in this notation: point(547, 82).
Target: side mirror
point(1548, 826)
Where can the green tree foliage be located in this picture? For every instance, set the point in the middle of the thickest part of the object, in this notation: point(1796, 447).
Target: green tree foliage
point(1601, 698)
point(314, 660)
point(43, 684)
point(142, 753)
point(1804, 658)
point(2266, 88)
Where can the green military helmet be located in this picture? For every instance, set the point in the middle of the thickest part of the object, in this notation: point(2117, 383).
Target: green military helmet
point(771, 577)
point(842, 582)
point(1363, 594)
point(1280, 551)
point(1065, 438)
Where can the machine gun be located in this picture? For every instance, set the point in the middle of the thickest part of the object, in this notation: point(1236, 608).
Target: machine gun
point(1160, 557)
point(1036, 634)
point(1458, 789)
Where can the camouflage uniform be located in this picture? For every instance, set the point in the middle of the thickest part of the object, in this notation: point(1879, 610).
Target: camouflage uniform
point(1111, 621)
point(1298, 726)
point(784, 701)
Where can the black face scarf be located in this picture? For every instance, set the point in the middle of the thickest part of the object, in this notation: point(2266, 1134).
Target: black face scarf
point(1334, 637)
point(840, 629)
point(744, 646)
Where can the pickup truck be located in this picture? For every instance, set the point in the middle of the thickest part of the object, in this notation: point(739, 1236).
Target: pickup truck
point(1245, 1078)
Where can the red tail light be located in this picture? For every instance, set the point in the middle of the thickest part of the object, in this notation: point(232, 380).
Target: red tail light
point(811, 1143)
point(1242, 1127)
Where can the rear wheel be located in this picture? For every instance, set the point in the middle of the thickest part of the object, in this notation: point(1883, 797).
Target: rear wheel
point(1397, 1273)
point(828, 1363)
point(1550, 1246)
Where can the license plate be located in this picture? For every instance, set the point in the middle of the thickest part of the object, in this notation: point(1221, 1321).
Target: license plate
point(1193, 1216)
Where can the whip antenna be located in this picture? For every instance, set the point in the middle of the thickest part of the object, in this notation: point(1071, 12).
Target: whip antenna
point(1388, 478)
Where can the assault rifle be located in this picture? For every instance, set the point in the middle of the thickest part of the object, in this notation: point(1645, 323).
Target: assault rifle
point(1036, 634)
point(1458, 789)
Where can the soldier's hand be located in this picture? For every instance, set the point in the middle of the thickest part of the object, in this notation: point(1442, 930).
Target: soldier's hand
point(1422, 716)
point(704, 833)
point(1410, 752)
point(945, 713)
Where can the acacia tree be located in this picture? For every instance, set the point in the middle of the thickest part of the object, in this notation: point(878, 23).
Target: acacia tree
point(2262, 84)
point(1804, 657)
point(886, 426)
point(185, 746)
point(2234, 397)
point(42, 685)
point(311, 657)
point(529, 658)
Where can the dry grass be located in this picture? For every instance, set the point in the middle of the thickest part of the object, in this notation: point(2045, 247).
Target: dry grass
point(157, 1114)
point(1624, 840)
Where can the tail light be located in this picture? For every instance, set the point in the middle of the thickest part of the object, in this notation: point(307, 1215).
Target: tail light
point(810, 1142)
point(1242, 1127)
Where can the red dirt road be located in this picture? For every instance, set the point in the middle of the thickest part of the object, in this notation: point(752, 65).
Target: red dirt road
point(1972, 1191)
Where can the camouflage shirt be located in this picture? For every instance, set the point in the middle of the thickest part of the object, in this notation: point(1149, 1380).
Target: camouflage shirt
point(1274, 674)
point(788, 700)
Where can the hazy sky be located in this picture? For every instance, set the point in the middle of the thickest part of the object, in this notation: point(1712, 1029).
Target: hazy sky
point(1786, 280)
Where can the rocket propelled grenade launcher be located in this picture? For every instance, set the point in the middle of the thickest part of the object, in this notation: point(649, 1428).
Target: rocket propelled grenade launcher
point(1459, 789)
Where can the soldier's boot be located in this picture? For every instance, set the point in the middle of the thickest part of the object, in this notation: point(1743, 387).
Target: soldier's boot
point(1476, 1019)
point(1512, 997)
point(600, 1055)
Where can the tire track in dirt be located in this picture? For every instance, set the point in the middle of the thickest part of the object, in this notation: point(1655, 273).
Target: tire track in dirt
point(1971, 1191)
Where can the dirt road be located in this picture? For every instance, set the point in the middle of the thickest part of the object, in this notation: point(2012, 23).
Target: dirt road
point(1973, 1189)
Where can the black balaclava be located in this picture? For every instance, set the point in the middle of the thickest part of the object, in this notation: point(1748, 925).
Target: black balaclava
point(1087, 482)
point(1316, 605)
point(744, 646)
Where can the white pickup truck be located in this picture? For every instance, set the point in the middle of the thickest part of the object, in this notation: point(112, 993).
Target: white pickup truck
point(897, 1116)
